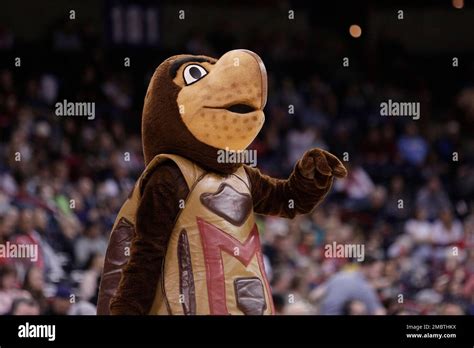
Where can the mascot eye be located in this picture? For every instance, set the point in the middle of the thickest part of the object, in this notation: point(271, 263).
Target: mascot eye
point(193, 72)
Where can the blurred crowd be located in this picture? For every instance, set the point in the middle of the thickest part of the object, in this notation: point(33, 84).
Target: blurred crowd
point(408, 197)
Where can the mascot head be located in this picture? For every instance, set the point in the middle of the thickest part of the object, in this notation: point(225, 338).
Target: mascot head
point(197, 105)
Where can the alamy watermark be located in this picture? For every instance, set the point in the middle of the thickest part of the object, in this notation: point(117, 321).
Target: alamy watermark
point(28, 330)
point(237, 156)
point(395, 108)
point(66, 108)
point(343, 251)
point(19, 251)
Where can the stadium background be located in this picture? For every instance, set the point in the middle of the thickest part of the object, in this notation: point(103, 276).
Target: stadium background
point(409, 251)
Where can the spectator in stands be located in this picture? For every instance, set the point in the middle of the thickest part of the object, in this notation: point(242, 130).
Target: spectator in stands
point(447, 232)
point(25, 306)
point(90, 243)
point(9, 289)
point(432, 198)
point(34, 284)
point(357, 186)
point(413, 148)
point(62, 301)
point(351, 285)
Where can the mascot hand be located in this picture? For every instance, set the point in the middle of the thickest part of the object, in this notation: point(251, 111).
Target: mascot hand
point(322, 166)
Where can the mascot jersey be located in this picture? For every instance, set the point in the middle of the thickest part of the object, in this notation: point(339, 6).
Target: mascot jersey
point(185, 242)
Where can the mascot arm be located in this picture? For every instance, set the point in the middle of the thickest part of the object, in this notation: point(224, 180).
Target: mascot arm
point(306, 187)
point(154, 223)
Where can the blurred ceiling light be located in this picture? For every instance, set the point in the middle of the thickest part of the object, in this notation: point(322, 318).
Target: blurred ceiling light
point(458, 4)
point(355, 30)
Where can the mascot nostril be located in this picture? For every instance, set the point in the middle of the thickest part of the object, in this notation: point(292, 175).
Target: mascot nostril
point(173, 246)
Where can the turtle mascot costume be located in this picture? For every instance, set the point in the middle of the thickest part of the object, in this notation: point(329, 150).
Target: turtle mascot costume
point(185, 241)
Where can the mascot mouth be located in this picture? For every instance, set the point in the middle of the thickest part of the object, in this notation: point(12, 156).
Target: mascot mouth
point(241, 108)
point(236, 108)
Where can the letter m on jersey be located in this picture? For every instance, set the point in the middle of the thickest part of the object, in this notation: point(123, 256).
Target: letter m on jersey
point(215, 241)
